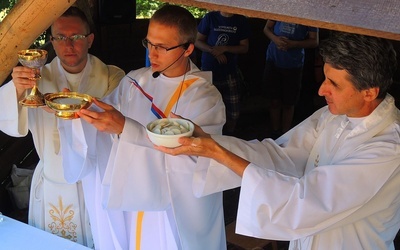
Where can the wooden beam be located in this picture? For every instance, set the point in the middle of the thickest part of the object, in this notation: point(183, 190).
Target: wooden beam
point(379, 18)
point(23, 24)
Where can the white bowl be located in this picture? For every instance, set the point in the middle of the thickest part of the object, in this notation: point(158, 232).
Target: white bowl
point(158, 137)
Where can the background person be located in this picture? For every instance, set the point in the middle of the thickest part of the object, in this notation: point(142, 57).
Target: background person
point(284, 70)
point(222, 37)
point(331, 181)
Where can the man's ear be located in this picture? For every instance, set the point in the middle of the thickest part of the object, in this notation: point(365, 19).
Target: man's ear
point(189, 48)
point(371, 94)
point(90, 39)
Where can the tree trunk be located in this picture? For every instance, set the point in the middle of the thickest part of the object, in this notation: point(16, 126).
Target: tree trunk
point(23, 24)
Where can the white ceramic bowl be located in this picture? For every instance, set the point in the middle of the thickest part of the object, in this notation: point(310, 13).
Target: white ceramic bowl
point(166, 131)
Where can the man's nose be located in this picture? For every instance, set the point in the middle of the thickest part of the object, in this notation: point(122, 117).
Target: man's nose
point(322, 89)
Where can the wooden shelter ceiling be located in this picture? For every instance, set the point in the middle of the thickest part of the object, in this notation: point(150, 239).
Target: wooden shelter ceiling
point(379, 18)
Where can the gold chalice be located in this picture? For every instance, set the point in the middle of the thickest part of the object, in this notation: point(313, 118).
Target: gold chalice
point(34, 59)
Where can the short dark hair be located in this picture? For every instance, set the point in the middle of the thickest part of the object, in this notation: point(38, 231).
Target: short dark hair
point(370, 61)
point(74, 11)
point(176, 16)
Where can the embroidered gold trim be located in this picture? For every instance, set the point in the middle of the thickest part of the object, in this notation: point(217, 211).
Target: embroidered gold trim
point(62, 224)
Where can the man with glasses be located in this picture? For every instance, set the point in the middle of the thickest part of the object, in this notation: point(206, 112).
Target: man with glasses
point(331, 182)
point(154, 189)
point(56, 203)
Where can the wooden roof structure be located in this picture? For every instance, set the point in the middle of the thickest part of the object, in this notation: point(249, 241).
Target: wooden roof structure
point(381, 18)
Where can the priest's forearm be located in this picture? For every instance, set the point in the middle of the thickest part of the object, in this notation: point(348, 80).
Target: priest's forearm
point(229, 159)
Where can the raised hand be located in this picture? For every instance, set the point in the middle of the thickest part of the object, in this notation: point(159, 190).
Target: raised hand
point(20, 77)
point(109, 120)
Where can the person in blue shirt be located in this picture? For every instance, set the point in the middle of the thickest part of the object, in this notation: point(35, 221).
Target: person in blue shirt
point(222, 37)
point(284, 69)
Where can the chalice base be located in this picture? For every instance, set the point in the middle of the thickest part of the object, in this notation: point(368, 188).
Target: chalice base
point(33, 101)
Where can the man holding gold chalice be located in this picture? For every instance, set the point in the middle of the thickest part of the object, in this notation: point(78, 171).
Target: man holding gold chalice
point(75, 69)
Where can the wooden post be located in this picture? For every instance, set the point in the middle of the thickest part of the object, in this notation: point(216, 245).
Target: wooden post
point(23, 24)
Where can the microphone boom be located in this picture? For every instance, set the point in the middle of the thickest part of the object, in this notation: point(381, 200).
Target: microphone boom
point(158, 73)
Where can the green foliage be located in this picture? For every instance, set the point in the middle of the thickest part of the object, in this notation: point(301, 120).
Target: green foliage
point(196, 12)
point(5, 7)
point(146, 8)
point(7, 4)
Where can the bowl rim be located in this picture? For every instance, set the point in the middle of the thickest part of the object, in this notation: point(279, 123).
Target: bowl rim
point(49, 97)
point(23, 52)
point(191, 128)
point(67, 111)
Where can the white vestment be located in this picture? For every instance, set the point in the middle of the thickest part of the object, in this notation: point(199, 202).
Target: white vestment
point(139, 178)
point(331, 182)
point(55, 205)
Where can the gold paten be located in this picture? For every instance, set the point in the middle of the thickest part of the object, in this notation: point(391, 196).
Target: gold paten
point(66, 104)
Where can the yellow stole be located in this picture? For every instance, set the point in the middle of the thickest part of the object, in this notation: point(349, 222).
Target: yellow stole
point(174, 98)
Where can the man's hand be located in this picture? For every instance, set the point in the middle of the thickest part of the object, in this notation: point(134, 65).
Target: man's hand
point(203, 145)
point(207, 147)
point(198, 131)
point(190, 146)
point(222, 59)
point(196, 146)
point(200, 145)
point(109, 121)
point(218, 50)
point(282, 43)
point(218, 53)
point(20, 77)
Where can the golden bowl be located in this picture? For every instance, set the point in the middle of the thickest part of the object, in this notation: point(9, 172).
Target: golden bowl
point(66, 104)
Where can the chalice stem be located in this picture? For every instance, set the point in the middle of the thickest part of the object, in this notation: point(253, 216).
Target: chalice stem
point(35, 91)
point(34, 99)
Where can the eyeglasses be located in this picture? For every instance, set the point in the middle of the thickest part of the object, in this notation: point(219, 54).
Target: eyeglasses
point(161, 49)
point(73, 38)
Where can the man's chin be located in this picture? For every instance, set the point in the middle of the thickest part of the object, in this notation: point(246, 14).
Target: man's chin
point(333, 110)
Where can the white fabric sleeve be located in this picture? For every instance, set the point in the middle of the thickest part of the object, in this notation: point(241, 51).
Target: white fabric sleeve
point(77, 161)
point(149, 189)
point(282, 207)
point(14, 117)
point(215, 177)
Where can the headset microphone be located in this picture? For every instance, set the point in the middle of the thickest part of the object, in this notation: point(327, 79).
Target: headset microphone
point(158, 73)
